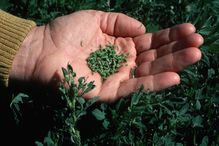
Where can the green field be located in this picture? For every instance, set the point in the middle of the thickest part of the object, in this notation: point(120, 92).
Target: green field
point(184, 115)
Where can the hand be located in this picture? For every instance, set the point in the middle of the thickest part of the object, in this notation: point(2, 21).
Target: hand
point(71, 38)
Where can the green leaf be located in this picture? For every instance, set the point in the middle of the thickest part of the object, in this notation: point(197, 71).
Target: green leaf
point(198, 94)
point(168, 140)
point(81, 80)
point(211, 72)
point(215, 7)
point(197, 121)
point(79, 114)
point(70, 69)
point(82, 83)
point(184, 109)
point(197, 105)
point(136, 96)
point(214, 48)
point(99, 115)
point(205, 30)
point(38, 143)
point(81, 101)
point(90, 102)
point(90, 86)
point(106, 124)
point(19, 99)
point(138, 122)
point(64, 71)
point(16, 104)
point(216, 100)
point(204, 141)
point(179, 144)
point(62, 89)
point(166, 109)
point(48, 140)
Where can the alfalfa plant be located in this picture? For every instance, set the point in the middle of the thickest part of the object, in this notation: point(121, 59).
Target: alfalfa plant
point(71, 107)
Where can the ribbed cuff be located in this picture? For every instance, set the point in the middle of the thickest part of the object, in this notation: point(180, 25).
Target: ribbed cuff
point(13, 31)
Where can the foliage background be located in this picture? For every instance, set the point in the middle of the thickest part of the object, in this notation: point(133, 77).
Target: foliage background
point(187, 114)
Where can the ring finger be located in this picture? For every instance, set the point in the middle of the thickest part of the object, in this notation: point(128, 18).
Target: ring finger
point(172, 62)
point(194, 40)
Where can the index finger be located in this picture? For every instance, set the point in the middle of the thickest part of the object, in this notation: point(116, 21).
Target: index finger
point(119, 24)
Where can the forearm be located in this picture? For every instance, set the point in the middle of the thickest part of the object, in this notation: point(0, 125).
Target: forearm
point(13, 31)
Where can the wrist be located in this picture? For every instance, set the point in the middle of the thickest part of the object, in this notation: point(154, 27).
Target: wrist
point(26, 57)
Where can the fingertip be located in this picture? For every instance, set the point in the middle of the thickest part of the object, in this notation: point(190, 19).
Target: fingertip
point(194, 40)
point(189, 27)
point(197, 54)
point(192, 55)
point(176, 78)
point(199, 39)
point(181, 30)
point(128, 26)
point(165, 80)
point(141, 29)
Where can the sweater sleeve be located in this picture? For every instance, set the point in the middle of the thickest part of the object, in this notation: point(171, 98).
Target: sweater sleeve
point(13, 31)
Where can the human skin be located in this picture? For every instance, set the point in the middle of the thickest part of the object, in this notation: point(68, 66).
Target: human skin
point(157, 57)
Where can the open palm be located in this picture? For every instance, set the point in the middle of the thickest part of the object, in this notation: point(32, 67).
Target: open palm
point(156, 57)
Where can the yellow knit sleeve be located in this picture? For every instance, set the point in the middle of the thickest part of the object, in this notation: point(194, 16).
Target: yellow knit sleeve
point(13, 31)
